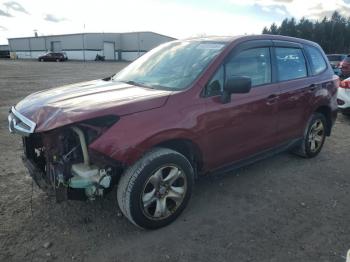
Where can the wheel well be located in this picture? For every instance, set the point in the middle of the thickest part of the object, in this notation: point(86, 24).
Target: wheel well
point(188, 149)
point(326, 111)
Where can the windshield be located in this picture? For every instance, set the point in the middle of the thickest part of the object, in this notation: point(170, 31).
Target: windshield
point(174, 65)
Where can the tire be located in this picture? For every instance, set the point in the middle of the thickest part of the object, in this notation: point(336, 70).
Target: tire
point(41, 60)
point(316, 132)
point(154, 191)
point(58, 60)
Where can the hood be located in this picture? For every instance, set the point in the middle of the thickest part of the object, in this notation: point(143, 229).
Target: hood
point(64, 105)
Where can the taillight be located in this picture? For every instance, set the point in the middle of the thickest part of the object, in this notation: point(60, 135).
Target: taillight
point(345, 84)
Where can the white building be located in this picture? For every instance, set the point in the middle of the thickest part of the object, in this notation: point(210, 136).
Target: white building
point(85, 46)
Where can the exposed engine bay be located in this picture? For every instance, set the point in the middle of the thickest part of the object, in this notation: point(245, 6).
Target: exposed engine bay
point(60, 162)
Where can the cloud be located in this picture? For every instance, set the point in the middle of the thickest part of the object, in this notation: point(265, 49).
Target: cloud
point(323, 10)
point(3, 28)
point(12, 5)
point(283, 1)
point(54, 19)
point(313, 9)
point(3, 13)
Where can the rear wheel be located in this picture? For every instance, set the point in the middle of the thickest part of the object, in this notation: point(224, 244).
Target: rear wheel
point(41, 60)
point(314, 137)
point(155, 190)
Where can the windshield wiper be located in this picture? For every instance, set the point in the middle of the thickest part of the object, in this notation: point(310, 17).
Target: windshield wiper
point(131, 82)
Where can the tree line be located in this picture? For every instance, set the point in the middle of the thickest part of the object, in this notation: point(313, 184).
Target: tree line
point(332, 34)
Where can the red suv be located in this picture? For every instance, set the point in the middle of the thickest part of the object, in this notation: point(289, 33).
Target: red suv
point(345, 66)
point(184, 109)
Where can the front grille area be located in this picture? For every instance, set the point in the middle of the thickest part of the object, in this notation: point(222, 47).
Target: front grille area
point(20, 124)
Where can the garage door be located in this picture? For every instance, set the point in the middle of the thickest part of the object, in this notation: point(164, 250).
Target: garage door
point(108, 51)
point(56, 46)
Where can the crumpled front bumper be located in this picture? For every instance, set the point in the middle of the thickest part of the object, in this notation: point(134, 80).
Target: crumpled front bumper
point(37, 175)
point(60, 192)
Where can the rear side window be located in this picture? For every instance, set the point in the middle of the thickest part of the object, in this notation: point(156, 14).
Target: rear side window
point(317, 62)
point(290, 63)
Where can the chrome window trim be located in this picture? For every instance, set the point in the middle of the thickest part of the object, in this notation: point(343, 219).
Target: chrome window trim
point(15, 128)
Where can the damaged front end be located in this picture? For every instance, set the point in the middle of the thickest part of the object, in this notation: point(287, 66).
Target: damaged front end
point(60, 161)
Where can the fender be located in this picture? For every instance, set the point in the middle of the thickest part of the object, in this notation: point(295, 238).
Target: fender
point(125, 143)
point(324, 97)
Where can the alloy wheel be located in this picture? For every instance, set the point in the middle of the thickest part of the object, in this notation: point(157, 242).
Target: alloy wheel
point(163, 192)
point(316, 135)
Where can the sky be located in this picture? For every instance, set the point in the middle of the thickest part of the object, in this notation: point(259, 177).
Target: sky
point(177, 18)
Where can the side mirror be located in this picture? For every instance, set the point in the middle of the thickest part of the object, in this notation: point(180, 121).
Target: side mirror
point(236, 85)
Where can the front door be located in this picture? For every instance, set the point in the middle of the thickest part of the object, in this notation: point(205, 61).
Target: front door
point(248, 124)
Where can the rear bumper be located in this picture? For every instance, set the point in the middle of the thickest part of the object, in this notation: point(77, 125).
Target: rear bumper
point(343, 99)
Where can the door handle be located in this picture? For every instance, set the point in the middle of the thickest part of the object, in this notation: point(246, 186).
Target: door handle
point(311, 87)
point(271, 99)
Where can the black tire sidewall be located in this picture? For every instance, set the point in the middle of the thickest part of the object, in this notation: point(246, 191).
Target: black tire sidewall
point(136, 210)
point(315, 117)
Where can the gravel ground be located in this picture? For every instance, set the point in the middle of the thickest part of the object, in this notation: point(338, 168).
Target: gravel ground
point(280, 209)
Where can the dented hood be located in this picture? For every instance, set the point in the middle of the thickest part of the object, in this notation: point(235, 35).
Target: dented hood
point(64, 105)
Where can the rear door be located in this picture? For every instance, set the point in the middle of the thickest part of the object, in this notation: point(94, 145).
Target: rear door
point(296, 88)
point(248, 123)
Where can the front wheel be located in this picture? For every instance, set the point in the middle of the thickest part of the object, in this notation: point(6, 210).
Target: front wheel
point(155, 190)
point(314, 137)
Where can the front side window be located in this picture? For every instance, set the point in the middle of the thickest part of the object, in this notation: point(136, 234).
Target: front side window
point(290, 63)
point(317, 62)
point(172, 66)
point(254, 63)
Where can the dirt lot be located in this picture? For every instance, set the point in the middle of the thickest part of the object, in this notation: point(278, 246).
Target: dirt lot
point(280, 209)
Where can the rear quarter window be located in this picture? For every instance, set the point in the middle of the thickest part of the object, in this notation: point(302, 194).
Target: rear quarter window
point(317, 62)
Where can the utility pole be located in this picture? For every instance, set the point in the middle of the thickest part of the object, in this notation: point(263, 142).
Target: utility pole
point(83, 37)
point(138, 44)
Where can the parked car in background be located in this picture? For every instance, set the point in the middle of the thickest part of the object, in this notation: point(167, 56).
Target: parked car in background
point(334, 60)
point(51, 56)
point(345, 67)
point(344, 96)
point(186, 108)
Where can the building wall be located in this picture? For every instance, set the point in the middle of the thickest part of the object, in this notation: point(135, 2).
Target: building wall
point(4, 51)
point(4, 48)
point(128, 46)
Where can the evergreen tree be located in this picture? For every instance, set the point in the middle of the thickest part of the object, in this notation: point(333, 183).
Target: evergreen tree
point(332, 34)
